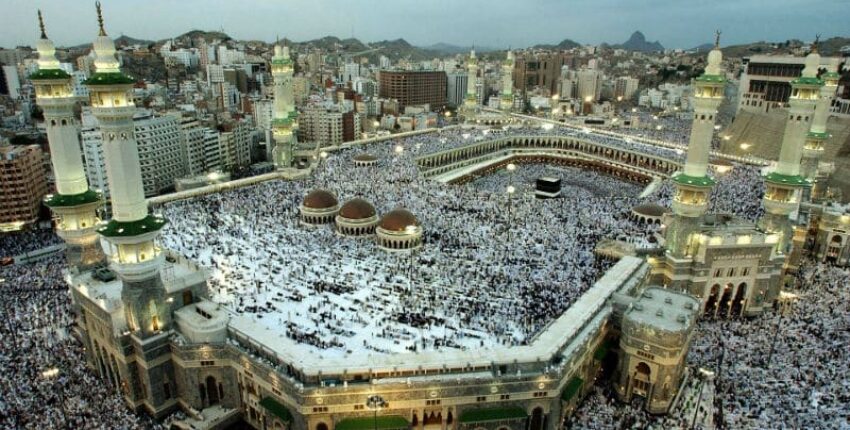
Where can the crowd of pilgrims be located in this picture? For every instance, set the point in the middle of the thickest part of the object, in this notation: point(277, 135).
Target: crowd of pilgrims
point(17, 243)
point(486, 275)
point(35, 324)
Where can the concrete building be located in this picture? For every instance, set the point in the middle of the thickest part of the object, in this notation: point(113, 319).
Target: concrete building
point(589, 85)
point(625, 87)
point(456, 88)
point(23, 183)
point(538, 71)
point(160, 145)
point(12, 81)
point(235, 143)
point(413, 87)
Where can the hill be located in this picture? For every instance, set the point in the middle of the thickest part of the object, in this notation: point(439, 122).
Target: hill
point(637, 42)
point(565, 44)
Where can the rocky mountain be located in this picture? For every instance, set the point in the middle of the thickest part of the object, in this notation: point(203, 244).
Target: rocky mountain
point(564, 45)
point(637, 42)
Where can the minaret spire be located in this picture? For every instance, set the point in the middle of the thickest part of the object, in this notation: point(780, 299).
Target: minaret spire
point(284, 115)
point(100, 19)
point(74, 204)
point(815, 43)
point(693, 184)
point(784, 185)
point(41, 25)
point(717, 38)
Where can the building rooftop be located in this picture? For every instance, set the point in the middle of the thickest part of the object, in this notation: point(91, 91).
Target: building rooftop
point(663, 309)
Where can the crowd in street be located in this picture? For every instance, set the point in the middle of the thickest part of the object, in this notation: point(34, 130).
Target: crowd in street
point(45, 383)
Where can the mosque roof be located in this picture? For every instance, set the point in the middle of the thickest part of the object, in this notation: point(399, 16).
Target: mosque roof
point(398, 220)
point(357, 208)
point(320, 199)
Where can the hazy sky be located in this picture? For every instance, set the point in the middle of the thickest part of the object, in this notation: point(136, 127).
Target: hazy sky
point(496, 23)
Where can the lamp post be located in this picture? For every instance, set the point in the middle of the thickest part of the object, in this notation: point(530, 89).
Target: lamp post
point(510, 191)
point(53, 374)
point(376, 402)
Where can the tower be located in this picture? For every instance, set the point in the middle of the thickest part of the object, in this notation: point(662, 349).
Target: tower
point(817, 136)
point(693, 185)
point(470, 103)
point(74, 204)
point(506, 102)
point(784, 184)
point(284, 117)
point(130, 236)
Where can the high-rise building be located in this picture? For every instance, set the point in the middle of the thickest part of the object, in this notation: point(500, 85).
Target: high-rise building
point(540, 71)
point(12, 81)
point(589, 84)
point(235, 143)
point(13, 57)
point(23, 184)
point(160, 145)
point(456, 88)
point(201, 148)
point(95, 165)
point(625, 87)
point(411, 87)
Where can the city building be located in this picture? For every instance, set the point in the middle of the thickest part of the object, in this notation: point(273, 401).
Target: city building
point(23, 182)
point(160, 144)
point(538, 71)
point(766, 81)
point(235, 143)
point(456, 87)
point(625, 87)
point(413, 87)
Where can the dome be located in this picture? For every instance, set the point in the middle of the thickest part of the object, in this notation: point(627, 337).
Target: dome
point(357, 208)
point(398, 220)
point(320, 199)
point(650, 209)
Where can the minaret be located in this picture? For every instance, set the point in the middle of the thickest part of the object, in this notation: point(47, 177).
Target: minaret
point(130, 236)
point(74, 204)
point(817, 136)
point(285, 117)
point(693, 185)
point(470, 103)
point(506, 102)
point(783, 186)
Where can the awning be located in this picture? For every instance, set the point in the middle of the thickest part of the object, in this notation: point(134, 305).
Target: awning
point(572, 388)
point(493, 414)
point(383, 422)
point(276, 408)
